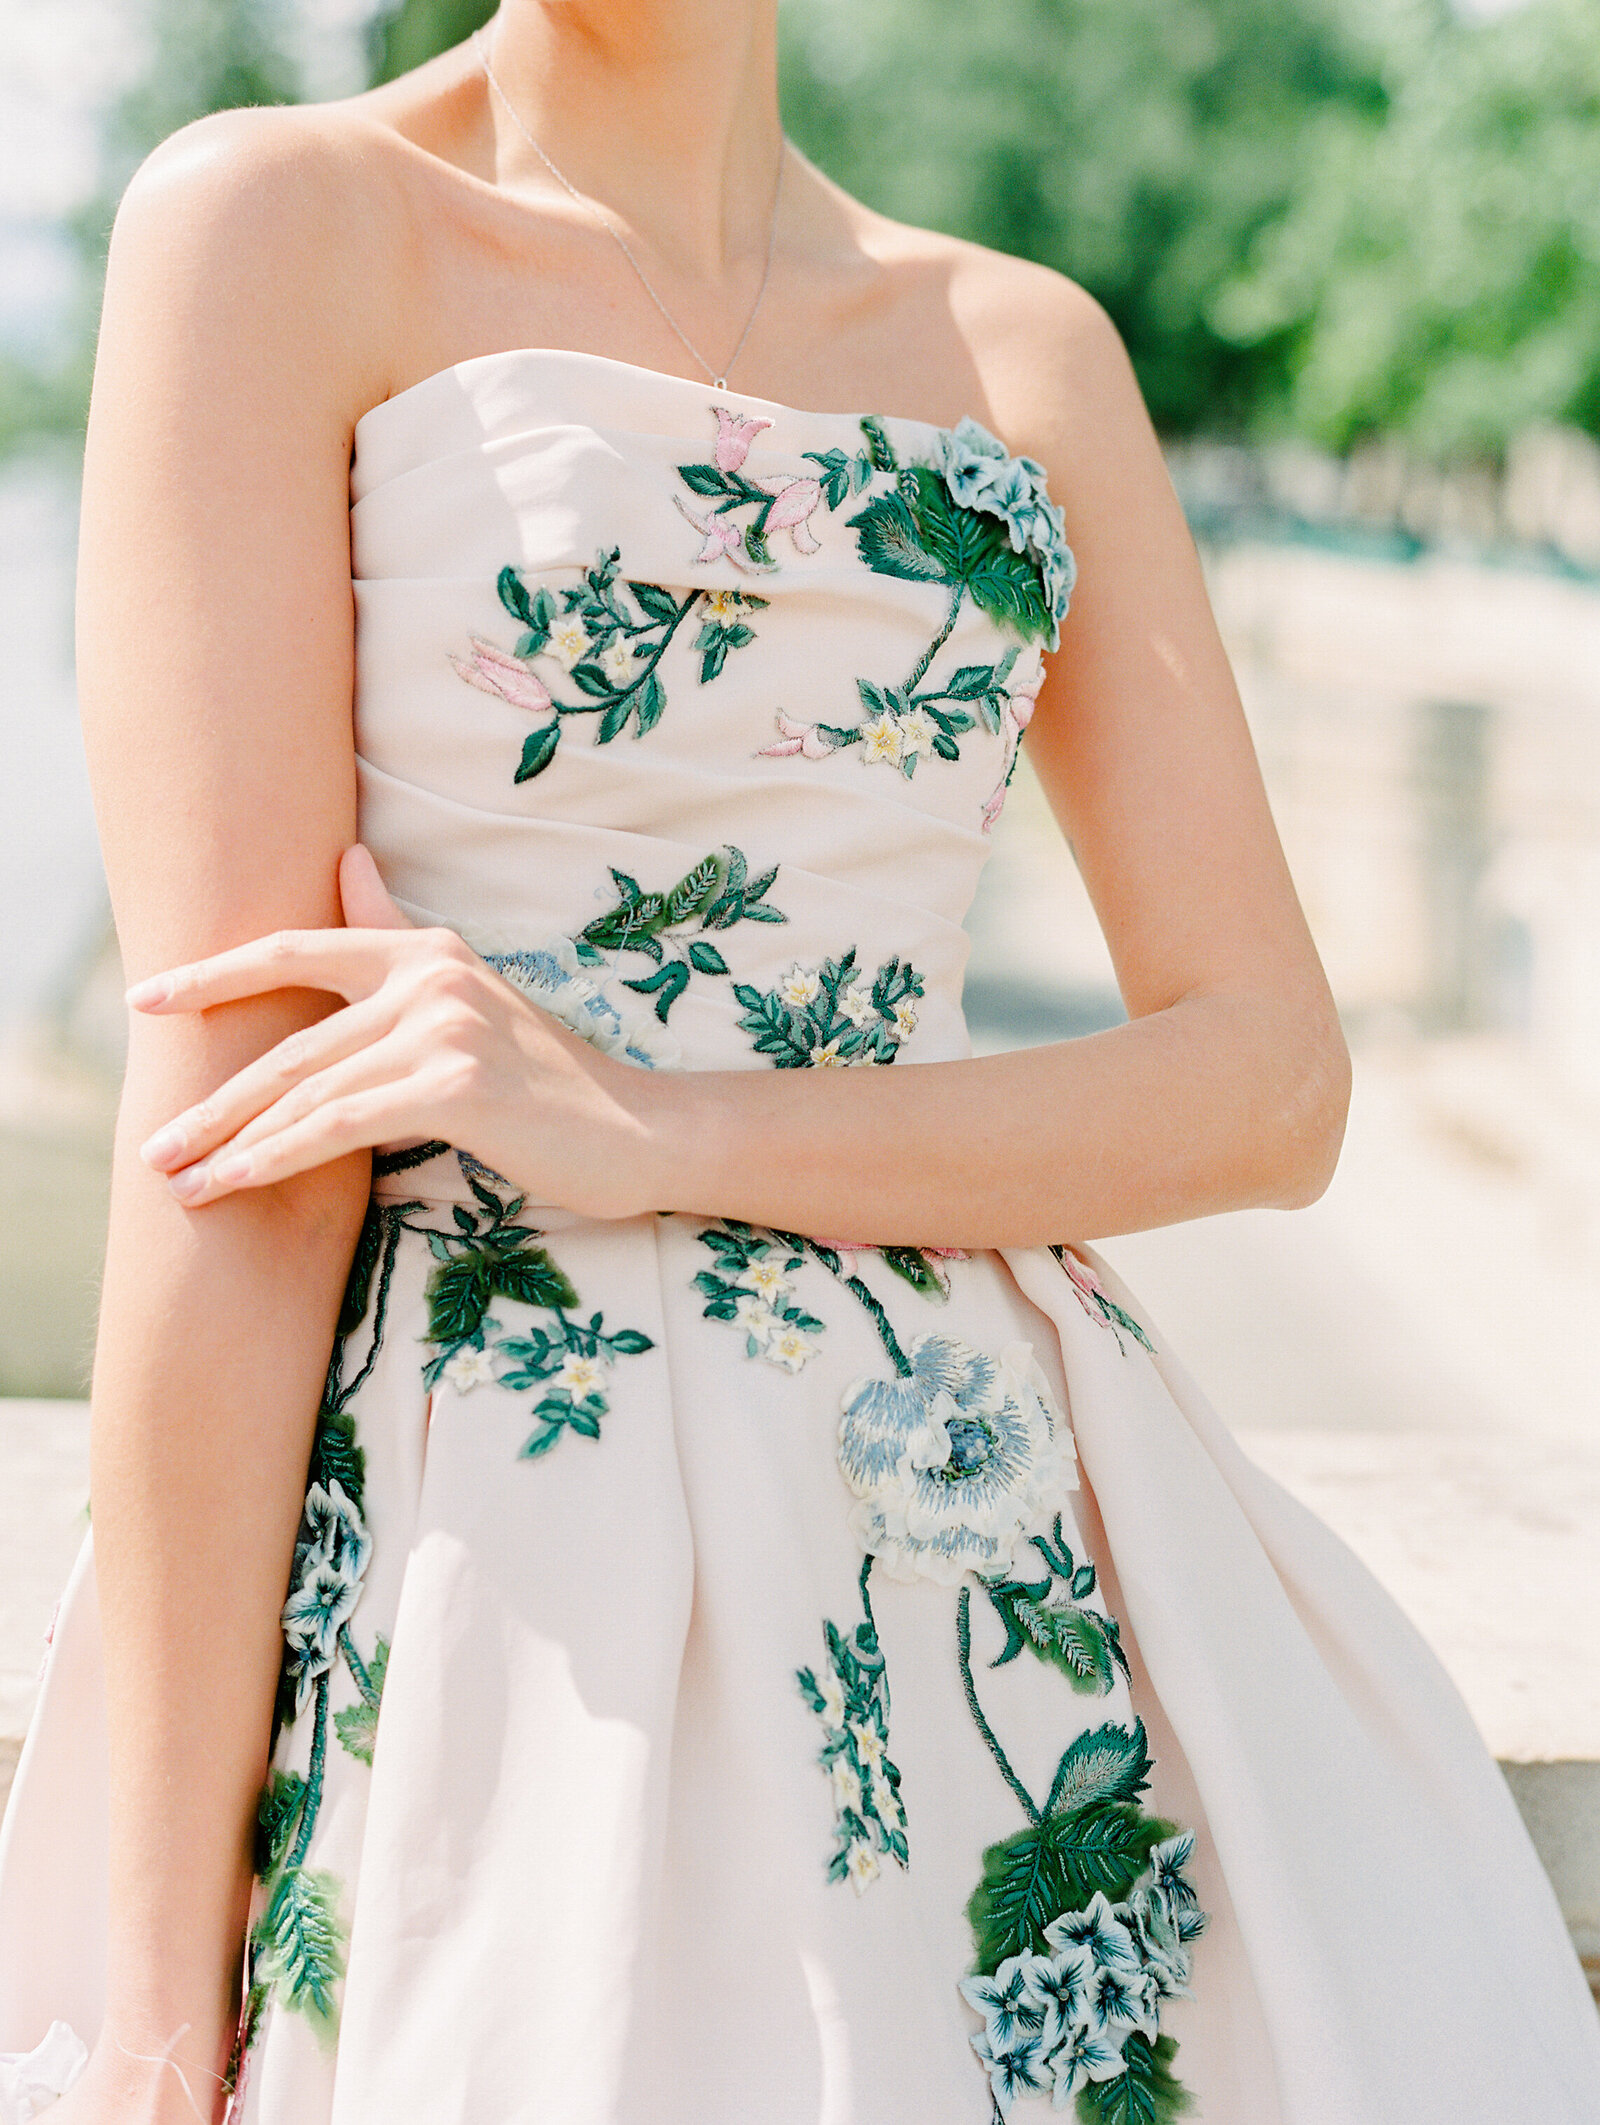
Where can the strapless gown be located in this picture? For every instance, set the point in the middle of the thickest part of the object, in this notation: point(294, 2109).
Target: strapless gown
point(759, 1678)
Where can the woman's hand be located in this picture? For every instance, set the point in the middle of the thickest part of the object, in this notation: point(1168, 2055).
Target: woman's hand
point(432, 1043)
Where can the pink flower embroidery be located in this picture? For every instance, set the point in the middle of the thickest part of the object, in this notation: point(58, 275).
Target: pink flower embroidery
point(1020, 705)
point(723, 537)
point(735, 433)
point(1084, 1281)
point(492, 671)
point(806, 739)
point(792, 511)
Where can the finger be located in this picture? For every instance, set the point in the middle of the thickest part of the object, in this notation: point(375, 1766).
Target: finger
point(387, 1061)
point(349, 963)
point(363, 894)
point(376, 1116)
point(190, 1136)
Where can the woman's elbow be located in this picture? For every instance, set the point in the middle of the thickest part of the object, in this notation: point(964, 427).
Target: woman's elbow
point(1312, 1111)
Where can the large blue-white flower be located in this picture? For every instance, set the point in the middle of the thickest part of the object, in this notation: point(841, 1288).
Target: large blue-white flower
point(1120, 2002)
point(318, 1608)
point(980, 474)
point(1082, 2056)
point(1061, 1982)
point(1014, 2068)
point(954, 1463)
point(553, 977)
point(1101, 1931)
point(335, 1532)
point(1010, 2004)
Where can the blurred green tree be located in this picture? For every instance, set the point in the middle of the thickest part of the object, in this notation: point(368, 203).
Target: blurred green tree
point(200, 56)
point(403, 36)
point(1141, 147)
point(1436, 273)
point(1323, 217)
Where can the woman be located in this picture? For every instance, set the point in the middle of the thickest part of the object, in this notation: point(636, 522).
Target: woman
point(774, 1726)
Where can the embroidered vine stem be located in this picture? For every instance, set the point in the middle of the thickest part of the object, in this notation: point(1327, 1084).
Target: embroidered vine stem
point(938, 642)
point(964, 1653)
point(626, 693)
point(358, 1667)
point(866, 1598)
point(835, 1268)
point(393, 1221)
point(311, 1800)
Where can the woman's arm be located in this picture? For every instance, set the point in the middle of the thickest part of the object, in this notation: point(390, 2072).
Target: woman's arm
point(215, 667)
point(1226, 1088)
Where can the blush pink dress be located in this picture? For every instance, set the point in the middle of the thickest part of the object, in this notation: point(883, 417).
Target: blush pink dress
point(756, 1678)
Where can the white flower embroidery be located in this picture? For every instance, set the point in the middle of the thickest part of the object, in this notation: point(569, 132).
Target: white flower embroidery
point(830, 1055)
point(617, 663)
point(880, 740)
point(861, 1866)
point(568, 641)
point(869, 1742)
point(846, 1784)
point(831, 1691)
point(799, 987)
point(765, 1278)
point(856, 1003)
point(916, 736)
point(581, 1375)
point(789, 1348)
point(952, 1465)
point(468, 1368)
point(755, 1317)
point(905, 1019)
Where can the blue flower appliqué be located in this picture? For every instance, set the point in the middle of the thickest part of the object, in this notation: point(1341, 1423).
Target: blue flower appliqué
point(953, 1462)
point(981, 475)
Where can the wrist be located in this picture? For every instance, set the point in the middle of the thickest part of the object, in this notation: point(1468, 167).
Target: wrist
point(680, 1137)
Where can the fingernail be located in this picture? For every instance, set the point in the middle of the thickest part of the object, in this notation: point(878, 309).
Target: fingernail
point(145, 995)
point(163, 1146)
point(192, 1181)
point(234, 1167)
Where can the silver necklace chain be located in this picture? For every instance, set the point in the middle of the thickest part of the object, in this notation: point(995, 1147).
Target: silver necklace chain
point(718, 378)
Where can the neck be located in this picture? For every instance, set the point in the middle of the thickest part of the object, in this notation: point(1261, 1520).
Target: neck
point(666, 111)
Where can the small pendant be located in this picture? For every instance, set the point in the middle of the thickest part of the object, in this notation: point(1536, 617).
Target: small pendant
point(719, 383)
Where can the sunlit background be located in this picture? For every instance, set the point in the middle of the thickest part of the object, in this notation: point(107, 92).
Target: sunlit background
point(1354, 247)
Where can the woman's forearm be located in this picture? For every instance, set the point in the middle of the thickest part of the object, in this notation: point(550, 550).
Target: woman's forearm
point(214, 1337)
point(1219, 1103)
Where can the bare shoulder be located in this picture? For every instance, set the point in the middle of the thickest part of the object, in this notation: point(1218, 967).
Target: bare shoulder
point(1025, 346)
point(261, 242)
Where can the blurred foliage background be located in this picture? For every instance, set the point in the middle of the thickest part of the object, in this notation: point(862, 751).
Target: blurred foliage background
point(1323, 219)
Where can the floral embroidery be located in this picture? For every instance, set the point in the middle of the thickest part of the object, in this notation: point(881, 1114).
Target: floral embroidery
point(1050, 1617)
point(851, 1698)
point(609, 638)
point(778, 504)
point(1015, 717)
point(716, 894)
point(556, 977)
point(490, 1256)
point(829, 1015)
point(980, 524)
point(296, 1949)
point(980, 475)
point(750, 1287)
point(1081, 1924)
point(1096, 1301)
point(952, 1461)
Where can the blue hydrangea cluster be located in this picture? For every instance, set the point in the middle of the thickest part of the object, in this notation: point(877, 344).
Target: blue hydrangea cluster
point(1054, 2023)
point(980, 474)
